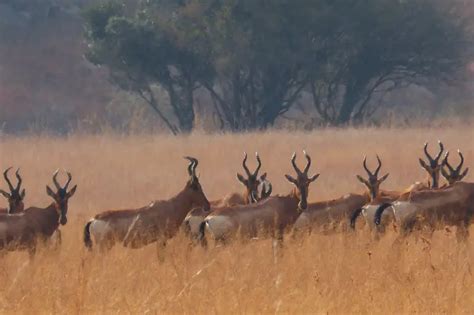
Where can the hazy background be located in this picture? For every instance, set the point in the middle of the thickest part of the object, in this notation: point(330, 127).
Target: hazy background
point(46, 82)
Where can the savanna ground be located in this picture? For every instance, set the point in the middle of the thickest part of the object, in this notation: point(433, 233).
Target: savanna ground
point(335, 274)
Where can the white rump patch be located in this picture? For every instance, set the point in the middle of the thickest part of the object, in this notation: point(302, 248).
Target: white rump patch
point(100, 229)
point(219, 226)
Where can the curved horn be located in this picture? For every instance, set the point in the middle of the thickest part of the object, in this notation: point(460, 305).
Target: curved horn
point(366, 168)
point(259, 164)
point(69, 178)
point(18, 177)
point(308, 164)
point(244, 165)
point(5, 175)
point(441, 150)
point(55, 179)
point(458, 169)
point(425, 148)
point(376, 174)
point(293, 161)
point(445, 162)
point(192, 165)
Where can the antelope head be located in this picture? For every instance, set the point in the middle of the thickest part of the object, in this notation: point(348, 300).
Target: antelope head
point(451, 174)
point(61, 196)
point(433, 166)
point(373, 181)
point(302, 181)
point(253, 181)
point(16, 195)
point(198, 198)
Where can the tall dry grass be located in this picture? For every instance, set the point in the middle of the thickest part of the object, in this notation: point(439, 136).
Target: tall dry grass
point(335, 274)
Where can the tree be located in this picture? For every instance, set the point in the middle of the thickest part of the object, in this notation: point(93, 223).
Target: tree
point(142, 53)
point(385, 45)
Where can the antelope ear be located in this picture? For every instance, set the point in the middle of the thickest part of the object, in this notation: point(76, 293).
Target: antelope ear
point(50, 192)
point(4, 193)
point(291, 179)
point(383, 178)
point(242, 179)
point(23, 194)
point(423, 164)
point(72, 191)
point(263, 177)
point(362, 180)
point(312, 179)
point(464, 173)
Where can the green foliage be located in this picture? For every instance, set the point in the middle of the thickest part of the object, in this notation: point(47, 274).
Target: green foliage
point(257, 57)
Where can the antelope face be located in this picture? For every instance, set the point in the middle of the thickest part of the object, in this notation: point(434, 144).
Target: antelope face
point(61, 196)
point(198, 198)
point(253, 181)
point(451, 174)
point(16, 195)
point(372, 183)
point(432, 166)
point(302, 181)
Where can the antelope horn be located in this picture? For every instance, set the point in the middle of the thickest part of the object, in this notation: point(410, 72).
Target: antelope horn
point(308, 164)
point(376, 174)
point(365, 166)
point(441, 150)
point(55, 179)
point(244, 165)
point(425, 148)
point(69, 178)
point(258, 166)
point(458, 169)
point(5, 175)
point(192, 165)
point(445, 162)
point(293, 161)
point(18, 177)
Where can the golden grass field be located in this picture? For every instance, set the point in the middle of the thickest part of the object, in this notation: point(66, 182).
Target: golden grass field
point(330, 274)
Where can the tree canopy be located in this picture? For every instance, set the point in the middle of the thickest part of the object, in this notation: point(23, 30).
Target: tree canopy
point(255, 58)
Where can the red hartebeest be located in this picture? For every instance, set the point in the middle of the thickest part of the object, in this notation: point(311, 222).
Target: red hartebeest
point(432, 209)
point(23, 230)
point(155, 222)
point(16, 195)
point(377, 196)
point(271, 217)
point(196, 216)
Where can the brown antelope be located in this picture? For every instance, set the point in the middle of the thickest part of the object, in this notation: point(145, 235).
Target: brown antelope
point(453, 175)
point(432, 209)
point(271, 217)
point(155, 222)
point(327, 216)
point(196, 216)
point(16, 195)
point(22, 231)
point(376, 196)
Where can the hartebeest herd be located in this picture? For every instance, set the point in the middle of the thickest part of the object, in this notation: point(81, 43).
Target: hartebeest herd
point(254, 214)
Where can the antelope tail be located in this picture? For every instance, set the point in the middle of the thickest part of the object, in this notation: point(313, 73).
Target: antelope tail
point(201, 237)
point(354, 217)
point(87, 235)
point(379, 212)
